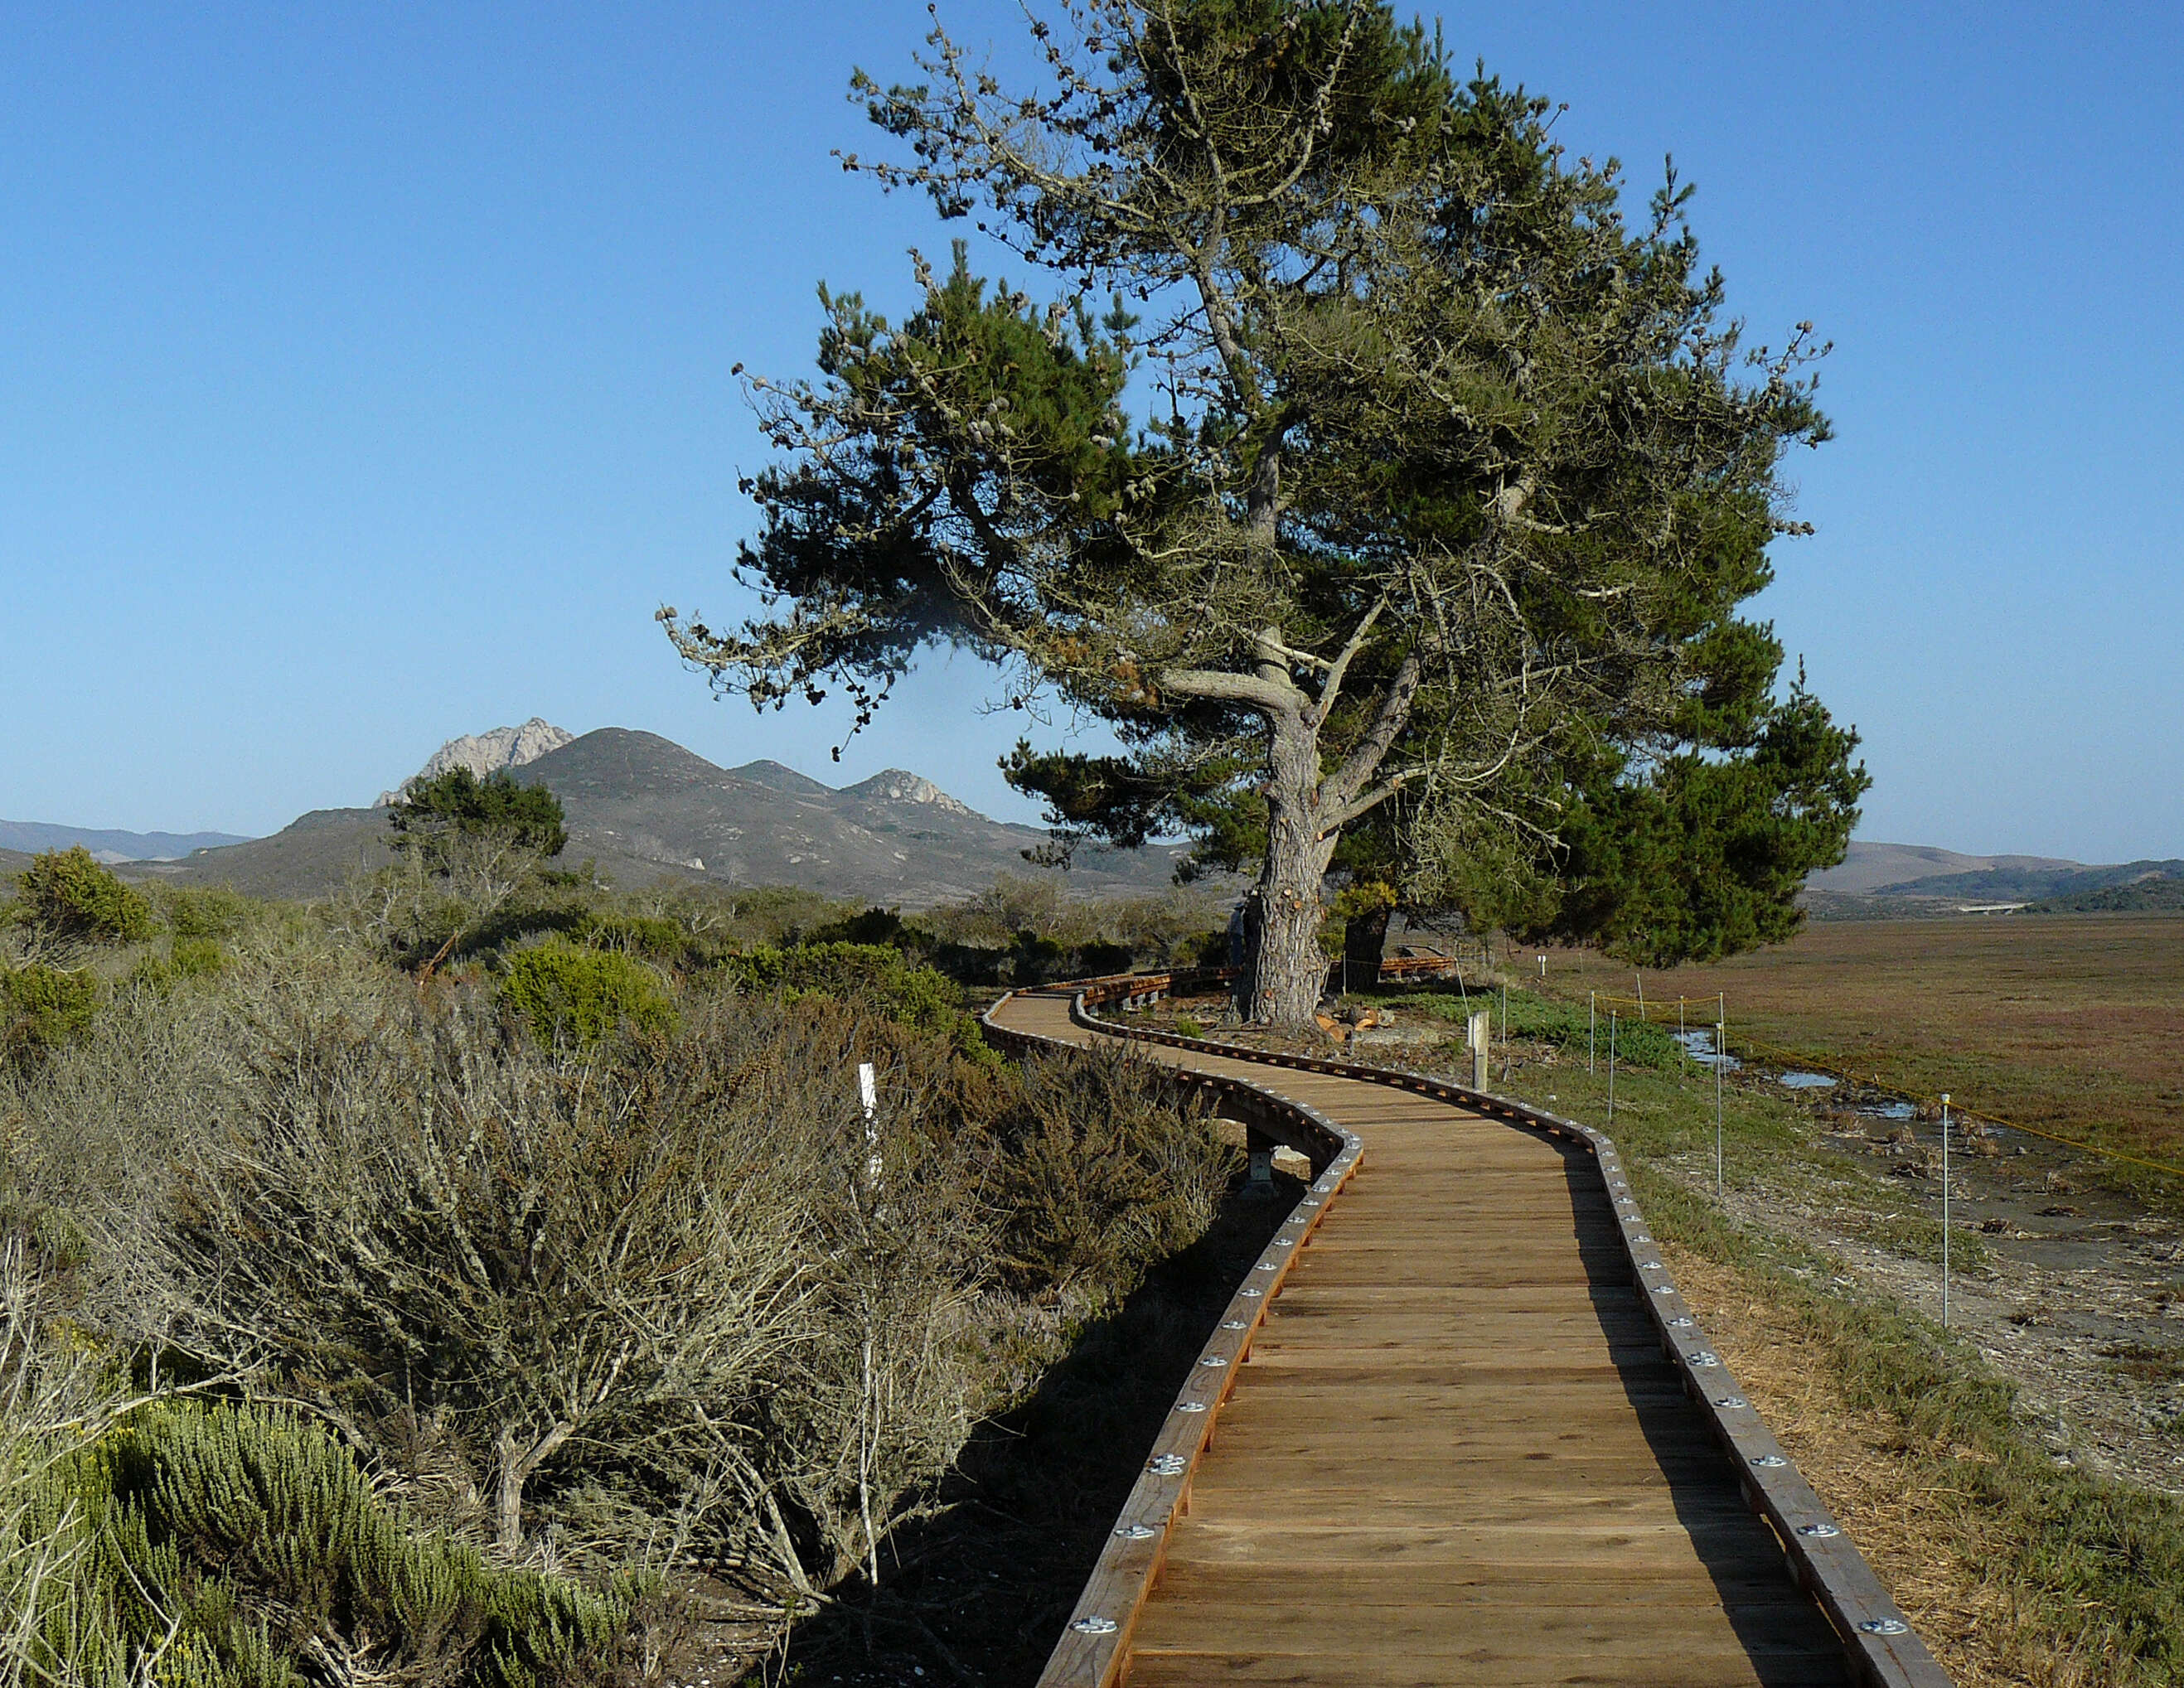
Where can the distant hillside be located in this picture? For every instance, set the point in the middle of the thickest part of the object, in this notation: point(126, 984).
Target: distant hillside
point(308, 857)
point(645, 809)
point(2162, 894)
point(1884, 881)
point(2028, 884)
point(108, 843)
point(1871, 867)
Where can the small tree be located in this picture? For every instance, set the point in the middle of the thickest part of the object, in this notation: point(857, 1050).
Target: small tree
point(66, 903)
point(1444, 488)
point(480, 839)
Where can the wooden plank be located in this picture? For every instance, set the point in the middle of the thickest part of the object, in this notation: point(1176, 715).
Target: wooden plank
point(1455, 1450)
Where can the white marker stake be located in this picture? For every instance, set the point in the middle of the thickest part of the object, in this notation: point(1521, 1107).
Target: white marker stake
point(868, 1090)
point(1611, 1068)
point(1720, 1054)
point(1945, 1210)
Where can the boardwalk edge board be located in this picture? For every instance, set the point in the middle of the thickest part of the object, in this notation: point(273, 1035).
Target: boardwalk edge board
point(1883, 1650)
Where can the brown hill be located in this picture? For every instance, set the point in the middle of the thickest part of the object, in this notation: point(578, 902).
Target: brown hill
point(1871, 867)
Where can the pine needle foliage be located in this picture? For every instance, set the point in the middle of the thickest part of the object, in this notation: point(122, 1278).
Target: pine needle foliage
point(1409, 478)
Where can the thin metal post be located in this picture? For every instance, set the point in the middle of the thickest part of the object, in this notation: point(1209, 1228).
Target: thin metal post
point(1505, 1031)
point(1720, 1055)
point(1591, 1027)
point(1945, 1210)
point(1611, 1067)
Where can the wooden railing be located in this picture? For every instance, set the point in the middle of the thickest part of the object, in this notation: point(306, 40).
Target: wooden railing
point(1883, 1650)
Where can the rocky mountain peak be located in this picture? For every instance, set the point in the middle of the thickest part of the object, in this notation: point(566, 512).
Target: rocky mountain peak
point(899, 785)
point(490, 752)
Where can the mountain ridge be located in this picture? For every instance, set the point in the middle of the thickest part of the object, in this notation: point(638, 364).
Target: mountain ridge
point(646, 810)
point(110, 844)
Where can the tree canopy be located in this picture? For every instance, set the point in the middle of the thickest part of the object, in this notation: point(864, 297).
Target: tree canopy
point(1402, 489)
point(478, 840)
point(433, 816)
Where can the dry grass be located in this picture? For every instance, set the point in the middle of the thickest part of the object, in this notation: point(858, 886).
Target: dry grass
point(1920, 1531)
point(1883, 1492)
point(2071, 1024)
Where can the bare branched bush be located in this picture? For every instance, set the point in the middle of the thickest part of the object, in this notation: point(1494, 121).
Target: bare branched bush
point(669, 1299)
point(1099, 1181)
point(55, 1395)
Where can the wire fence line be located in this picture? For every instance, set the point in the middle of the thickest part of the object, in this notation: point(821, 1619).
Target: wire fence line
point(1651, 1009)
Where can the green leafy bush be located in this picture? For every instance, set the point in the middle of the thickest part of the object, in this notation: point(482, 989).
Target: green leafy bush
point(1565, 1025)
point(635, 934)
point(1096, 960)
point(458, 804)
point(186, 958)
point(867, 973)
point(215, 911)
point(241, 1548)
point(42, 1007)
point(65, 899)
point(1105, 1170)
point(1037, 960)
point(574, 995)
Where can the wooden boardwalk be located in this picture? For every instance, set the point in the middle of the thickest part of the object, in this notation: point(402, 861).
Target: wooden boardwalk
point(1454, 1452)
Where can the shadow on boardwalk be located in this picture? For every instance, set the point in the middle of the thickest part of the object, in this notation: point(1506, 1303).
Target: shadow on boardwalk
point(1740, 1553)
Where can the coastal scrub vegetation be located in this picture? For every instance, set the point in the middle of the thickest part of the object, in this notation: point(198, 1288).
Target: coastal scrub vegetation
point(495, 1308)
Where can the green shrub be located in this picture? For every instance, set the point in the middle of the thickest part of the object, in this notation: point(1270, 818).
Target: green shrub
point(1106, 1169)
point(66, 899)
point(875, 925)
point(1034, 960)
point(244, 1549)
point(1545, 1019)
point(186, 958)
point(1095, 960)
point(635, 934)
point(867, 973)
point(216, 911)
point(574, 995)
point(430, 815)
point(42, 1007)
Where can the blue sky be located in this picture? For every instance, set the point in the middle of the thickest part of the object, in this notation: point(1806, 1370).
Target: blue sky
point(364, 379)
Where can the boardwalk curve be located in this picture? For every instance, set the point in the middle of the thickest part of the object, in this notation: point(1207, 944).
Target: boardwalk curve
point(1456, 1427)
